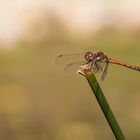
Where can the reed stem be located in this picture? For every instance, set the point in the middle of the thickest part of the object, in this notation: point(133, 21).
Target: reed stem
point(104, 105)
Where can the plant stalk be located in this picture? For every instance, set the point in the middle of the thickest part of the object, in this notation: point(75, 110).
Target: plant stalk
point(104, 105)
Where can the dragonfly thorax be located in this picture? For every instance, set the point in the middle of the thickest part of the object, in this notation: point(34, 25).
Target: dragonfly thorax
point(89, 56)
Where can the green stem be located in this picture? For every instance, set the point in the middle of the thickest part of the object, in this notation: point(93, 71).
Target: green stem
point(104, 105)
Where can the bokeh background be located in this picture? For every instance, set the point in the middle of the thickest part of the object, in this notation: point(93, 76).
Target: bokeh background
point(38, 100)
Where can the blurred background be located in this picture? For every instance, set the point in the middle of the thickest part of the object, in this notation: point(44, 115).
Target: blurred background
point(38, 99)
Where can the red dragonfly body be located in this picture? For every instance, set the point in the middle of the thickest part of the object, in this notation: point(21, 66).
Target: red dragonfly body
point(97, 61)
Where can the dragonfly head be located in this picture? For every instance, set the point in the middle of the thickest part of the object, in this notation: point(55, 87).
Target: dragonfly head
point(89, 56)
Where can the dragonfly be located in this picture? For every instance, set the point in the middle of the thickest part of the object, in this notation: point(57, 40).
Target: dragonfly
point(97, 62)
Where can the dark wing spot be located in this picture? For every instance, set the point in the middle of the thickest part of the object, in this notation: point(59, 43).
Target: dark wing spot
point(60, 55)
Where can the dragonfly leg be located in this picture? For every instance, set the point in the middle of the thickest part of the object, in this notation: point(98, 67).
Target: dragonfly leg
point(91, 65)
point(88, 62)
point(97, 66)
point(100, 67)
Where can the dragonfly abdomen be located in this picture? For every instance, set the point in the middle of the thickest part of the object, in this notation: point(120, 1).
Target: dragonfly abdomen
point(132, 67)
point(124, 64)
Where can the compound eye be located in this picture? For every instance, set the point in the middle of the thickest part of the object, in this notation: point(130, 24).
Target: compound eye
point(89, 56)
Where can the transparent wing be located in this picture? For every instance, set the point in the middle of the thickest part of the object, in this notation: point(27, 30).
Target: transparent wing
point(98, 67)
point(104, 71)
point(69, 58)
point(101, 66)
point(104, 64)
point(73, 67)
point(95, 68)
